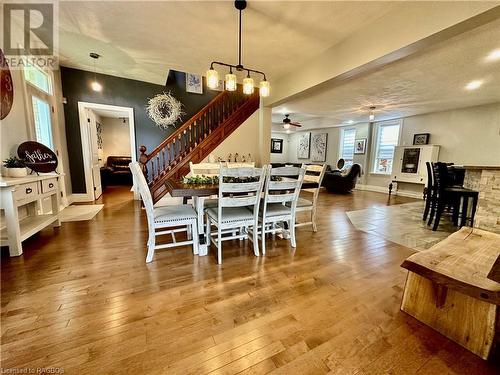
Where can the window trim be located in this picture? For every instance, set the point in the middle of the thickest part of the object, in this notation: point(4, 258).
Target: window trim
point(375, 144)
point(50, 79)
point(341, 143)
point(31, 90)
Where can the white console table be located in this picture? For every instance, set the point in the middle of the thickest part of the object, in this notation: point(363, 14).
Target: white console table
point(27, 192)
point(409, 164)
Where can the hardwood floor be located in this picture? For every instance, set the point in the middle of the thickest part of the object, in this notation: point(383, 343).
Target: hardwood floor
point(83, 299)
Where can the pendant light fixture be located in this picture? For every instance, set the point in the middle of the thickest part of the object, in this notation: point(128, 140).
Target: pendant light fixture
point(372, 113)
point(96, 86)
point(230, 78)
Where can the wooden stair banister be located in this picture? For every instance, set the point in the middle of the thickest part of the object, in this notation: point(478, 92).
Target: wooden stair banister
point(195, 139)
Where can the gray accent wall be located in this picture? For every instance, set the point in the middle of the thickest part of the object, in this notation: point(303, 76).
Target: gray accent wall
point(126, 93)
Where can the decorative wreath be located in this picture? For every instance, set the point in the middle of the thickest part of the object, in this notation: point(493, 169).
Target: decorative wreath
point(164, 110)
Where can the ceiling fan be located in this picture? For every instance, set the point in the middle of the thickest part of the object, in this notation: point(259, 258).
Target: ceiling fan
point(287, 122)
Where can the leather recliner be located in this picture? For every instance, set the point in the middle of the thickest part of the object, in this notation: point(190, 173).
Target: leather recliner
point(335, 182)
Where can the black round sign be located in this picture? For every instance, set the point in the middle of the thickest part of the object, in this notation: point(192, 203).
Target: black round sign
point(37, 157)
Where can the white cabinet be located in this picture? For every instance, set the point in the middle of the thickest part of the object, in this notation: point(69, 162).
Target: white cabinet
point(409, 163)
point(27, 192)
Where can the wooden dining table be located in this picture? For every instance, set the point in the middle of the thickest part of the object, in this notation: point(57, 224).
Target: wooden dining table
point(199, 193)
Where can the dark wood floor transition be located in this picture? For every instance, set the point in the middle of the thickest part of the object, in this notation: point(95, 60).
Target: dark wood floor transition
point(84, 300)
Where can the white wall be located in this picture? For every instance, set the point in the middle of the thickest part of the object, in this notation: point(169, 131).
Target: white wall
point(467, 136)
point(115, 137)
point(283, 157)
point(14, 129)
point(332, 148)
point(243, 141)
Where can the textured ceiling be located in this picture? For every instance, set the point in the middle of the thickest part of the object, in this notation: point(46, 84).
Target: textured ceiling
point(430, 81)
point(143, 40)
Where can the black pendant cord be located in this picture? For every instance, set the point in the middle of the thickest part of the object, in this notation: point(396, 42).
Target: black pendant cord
point(239, 43)
point(240, 5)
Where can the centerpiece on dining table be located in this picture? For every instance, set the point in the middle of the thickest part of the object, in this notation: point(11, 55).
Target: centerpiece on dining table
point(214, 180)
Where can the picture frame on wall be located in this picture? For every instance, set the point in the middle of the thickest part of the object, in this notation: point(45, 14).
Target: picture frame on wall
point(304, 147)
point(220, 87)
point(194, 83)
point(421, 139)
point(276, 146)
point(318, 146)
point(360, 146)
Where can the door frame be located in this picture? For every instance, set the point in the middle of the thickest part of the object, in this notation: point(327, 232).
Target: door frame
point(85, 141)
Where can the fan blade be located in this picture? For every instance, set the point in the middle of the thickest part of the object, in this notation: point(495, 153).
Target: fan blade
point(296, 124)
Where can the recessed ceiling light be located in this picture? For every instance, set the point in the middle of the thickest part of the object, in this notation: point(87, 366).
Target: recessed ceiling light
point(350, 122)
point(494, 55)
point(472, 85)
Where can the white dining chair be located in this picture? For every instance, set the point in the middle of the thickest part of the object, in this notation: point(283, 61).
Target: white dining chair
point(238, 207)
point(275, 211)
point(241, 164)
point(314, 173)
point(205, 169)
point(164, 217)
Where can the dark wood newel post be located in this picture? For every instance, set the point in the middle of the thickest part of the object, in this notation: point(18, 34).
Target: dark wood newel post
point(143, 158)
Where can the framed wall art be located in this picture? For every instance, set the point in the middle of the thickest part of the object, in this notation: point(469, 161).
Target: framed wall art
point(276, 146)
point(194, 83)
point(303, 148)
point(360, 146)
point(318, 146)
point(421, 139)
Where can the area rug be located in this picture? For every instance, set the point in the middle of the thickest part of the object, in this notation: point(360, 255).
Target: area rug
point(401, 224)
point(80, 212)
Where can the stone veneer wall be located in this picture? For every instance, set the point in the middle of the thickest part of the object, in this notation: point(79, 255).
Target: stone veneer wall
point(487, 182)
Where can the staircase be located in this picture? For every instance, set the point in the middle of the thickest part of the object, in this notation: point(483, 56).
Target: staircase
point(196, 139)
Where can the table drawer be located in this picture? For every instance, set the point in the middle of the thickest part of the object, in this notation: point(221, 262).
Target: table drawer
point(49, 185)
point(26, 191)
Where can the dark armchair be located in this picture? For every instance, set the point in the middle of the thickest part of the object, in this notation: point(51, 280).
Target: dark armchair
point(117, 171)
point(335, 182)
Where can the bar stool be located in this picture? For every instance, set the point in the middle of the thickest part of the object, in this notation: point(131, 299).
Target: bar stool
point(457, 197)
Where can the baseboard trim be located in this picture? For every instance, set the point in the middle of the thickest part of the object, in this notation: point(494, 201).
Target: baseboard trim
point(79, 197)
point(385, 190)
point(375, 188)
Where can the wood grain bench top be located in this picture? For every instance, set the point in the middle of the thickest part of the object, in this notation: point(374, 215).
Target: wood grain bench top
point(461, 262)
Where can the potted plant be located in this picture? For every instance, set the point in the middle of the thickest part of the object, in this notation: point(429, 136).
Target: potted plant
point(15, 167)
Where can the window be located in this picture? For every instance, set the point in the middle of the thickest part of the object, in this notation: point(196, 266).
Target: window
point(387, 137)
point(43, 125)
point(347, 146)
point(38, 78)
point(39, 89)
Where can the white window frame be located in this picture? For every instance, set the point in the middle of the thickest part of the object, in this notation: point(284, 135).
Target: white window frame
point(375, 144)
point(31, 90)
point(341, 144)
point(28, 90)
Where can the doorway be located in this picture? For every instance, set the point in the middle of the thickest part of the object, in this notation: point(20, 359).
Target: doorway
point(108, 136)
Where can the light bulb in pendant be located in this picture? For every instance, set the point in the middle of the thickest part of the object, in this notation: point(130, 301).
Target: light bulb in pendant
point(264, 89)
point(212, 78)
point(248, 85)
point(96, 86)
point(230, 82)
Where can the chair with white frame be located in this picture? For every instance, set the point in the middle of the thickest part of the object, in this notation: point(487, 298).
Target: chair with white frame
point(205, 169)
point(315, 174)
point(277, 194)
point(241, 164)
point(238, 207)
point(165, 217)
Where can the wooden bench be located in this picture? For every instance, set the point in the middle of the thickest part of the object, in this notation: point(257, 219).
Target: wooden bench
point(448, 288)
